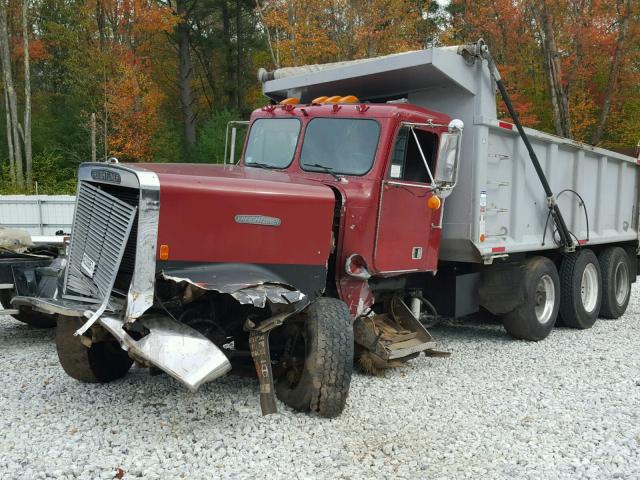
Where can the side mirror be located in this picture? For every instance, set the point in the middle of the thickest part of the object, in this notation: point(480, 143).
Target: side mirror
point(446, 174)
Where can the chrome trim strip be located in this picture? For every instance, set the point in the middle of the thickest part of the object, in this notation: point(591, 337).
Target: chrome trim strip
point(141, 292)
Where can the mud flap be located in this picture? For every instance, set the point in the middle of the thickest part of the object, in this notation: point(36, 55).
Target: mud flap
point(259, 346)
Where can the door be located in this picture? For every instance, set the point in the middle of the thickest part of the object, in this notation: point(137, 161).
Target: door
point(408, 232)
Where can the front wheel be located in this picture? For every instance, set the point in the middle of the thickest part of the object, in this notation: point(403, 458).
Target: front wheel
point(100, 362)
point(318, 359)
point(535, 318)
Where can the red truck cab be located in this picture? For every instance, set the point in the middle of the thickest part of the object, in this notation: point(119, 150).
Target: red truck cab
point(388, 222)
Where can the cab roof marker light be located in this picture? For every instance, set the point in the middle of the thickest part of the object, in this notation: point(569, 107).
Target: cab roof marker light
point(290, 101)
point(334, 99)
point(319, 100)
point(349, 99)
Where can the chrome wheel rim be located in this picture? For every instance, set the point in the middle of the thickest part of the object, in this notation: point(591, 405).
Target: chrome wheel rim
point(589, 288)
point(545, 299)
point(621, 283)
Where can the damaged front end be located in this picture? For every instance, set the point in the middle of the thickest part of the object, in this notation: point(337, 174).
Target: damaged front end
point(188, 320)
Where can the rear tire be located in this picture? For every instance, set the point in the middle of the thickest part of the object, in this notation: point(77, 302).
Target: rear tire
point(319, 383)
point(27, 315)
point(580, 289)
point(536, 317)
point(100, 363)
point(616, 282)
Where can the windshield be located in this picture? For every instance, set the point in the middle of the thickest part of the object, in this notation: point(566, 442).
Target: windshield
point(340, 145)
point(272, 142)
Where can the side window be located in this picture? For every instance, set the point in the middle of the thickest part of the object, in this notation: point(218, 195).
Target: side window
point(406, 161)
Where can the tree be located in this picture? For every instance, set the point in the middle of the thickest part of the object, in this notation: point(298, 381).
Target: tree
point(11, 99)
point(28, 156)
point(624, 10)
point(186, 71)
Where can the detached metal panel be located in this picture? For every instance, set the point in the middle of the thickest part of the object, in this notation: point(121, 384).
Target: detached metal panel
point(499, 197)
point(37, 214)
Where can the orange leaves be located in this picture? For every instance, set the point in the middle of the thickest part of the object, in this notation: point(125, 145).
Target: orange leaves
point(586, 34)
point(127, 31)
point(133, 103)
point(317, 31)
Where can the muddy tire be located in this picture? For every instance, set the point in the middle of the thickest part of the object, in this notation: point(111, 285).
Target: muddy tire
point(320, 380)
point(27, 315)
point(580, 289)
point(102, 362)
point(536, 317)
point(616, 282)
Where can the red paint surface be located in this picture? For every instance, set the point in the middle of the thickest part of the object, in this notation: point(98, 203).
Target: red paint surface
point(199, 203)
point(406, 223)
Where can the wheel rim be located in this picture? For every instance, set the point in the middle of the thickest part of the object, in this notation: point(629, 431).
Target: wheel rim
point(621, 282)
point(545, 299)
point(589, 288)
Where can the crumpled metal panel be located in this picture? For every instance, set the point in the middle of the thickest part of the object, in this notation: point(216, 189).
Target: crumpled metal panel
point(256, 294)
point(177, 349)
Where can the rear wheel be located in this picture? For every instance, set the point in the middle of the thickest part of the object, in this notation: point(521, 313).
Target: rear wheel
point(616, 282)
point(535, 318)
point(27, 315)
point(101, 362)
point(580, 289)
point(318, 359)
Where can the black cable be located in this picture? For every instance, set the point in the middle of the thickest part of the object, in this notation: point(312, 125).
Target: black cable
point(584, 206)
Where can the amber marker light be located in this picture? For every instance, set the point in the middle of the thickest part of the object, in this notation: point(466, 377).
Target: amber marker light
point(164, 252)
point(334, 99)
point(349, 99)
point(290, 101)
point(434, 202)
point(482, 237)
point(319, 100)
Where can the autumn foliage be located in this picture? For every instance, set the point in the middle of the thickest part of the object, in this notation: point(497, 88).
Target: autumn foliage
point(161, 77)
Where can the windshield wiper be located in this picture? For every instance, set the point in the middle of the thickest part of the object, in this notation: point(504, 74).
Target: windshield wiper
point(325, 169)
point(258, 165)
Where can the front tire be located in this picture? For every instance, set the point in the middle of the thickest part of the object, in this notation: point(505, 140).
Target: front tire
point(580, 289)
point(318, 381)
point(536, 317)
point(616, 282)
point(102, 362)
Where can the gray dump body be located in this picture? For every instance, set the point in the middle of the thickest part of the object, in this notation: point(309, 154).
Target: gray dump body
point(499, 197)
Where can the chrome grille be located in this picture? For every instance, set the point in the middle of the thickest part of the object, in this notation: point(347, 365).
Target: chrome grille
point(101, 227)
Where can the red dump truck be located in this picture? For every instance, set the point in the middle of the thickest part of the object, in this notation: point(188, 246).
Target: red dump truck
point(369, 195)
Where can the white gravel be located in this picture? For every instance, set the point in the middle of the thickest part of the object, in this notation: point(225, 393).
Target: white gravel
point(568, 407)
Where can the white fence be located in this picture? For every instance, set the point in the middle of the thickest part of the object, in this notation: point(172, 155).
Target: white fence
point(37, 214)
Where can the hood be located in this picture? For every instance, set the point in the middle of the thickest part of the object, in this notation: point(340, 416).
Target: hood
point(215, 215)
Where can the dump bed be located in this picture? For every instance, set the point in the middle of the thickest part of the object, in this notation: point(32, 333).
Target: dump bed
point(499, 205)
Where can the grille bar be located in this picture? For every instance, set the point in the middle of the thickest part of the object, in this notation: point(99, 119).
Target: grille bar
point(101, 230)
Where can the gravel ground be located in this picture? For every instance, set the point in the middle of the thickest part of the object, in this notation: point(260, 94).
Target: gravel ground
point(568, 407)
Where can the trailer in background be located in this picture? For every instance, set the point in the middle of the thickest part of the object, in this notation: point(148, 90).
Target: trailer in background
point(29, 266)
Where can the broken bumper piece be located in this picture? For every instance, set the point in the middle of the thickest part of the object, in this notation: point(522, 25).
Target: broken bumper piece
point(173, 347)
